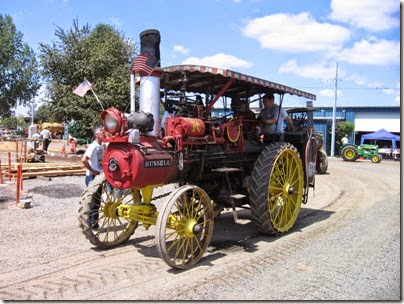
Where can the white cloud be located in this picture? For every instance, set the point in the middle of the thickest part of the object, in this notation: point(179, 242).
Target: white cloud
point(372, 15)
point(313, 71)
point(296, 33)
point(375, 84)
point(181, 49)
point(380, 52)
point(330, 93)
point(389, 91)
point(115, 21)
point(220, 60)
point(358, 79)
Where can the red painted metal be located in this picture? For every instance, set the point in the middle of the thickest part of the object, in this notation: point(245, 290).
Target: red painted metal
point(136, 169)
point(225, 87)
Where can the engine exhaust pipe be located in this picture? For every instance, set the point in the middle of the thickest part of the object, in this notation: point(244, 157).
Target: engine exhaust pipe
point(150, 84)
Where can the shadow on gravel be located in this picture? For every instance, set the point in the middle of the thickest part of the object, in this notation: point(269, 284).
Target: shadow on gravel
point(229, 236)
point(58, 190)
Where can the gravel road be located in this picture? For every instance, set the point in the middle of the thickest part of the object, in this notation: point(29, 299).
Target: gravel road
point(344, 246)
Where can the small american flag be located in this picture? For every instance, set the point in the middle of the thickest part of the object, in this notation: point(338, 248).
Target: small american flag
point(141, 64)
point(83, 88)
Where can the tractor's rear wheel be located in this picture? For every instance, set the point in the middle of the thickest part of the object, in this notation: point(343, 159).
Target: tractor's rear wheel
point(97, 214)
point(376, 158)
point(276, 188)
point(349, 153)
point(184, 227)
point(321, 162)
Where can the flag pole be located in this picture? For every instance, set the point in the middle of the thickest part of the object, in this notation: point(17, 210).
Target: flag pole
point(96, 97)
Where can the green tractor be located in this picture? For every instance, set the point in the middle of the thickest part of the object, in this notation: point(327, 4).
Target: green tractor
point(351, 152)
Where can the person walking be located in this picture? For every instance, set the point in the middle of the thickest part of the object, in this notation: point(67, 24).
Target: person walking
point(46, 136)
point(36, 136)
point(92, 160)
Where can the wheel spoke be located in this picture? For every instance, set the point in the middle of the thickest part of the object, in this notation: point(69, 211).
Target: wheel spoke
point(173, 243)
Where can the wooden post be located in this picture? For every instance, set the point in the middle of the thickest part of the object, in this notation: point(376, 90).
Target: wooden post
point(16, 151)
point(17, 195)
point(1, 174)
point(25, 151)
point(9, 166)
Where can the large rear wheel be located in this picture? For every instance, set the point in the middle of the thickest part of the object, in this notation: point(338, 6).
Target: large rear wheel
point(184, 227)
point(276, 188)
point(98, 216)
point(349, 153)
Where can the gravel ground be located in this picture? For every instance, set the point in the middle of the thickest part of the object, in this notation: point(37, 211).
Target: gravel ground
point(54, 205)
point(344, 246)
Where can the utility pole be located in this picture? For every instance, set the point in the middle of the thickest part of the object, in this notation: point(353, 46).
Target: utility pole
point(334, 112)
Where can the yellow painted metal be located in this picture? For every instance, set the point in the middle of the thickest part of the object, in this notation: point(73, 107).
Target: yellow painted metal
point(189, 228)
point(144, 213)
point(285, 190)
point(349, 153)
point(136, 195)
point(147, 192)
point(109, 210)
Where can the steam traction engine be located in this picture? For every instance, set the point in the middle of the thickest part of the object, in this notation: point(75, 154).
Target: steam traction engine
point(217, 163)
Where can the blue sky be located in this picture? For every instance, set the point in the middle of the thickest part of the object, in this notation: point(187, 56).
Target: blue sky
point(296, 43)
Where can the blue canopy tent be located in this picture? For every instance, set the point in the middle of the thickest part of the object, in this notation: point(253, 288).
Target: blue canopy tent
point(382, 135)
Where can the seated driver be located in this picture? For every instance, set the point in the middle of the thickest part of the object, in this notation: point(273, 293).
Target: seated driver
point(269, 115)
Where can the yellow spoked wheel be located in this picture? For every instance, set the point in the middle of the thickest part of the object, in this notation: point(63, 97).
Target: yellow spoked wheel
point(184, 227)
point(98, 214)
point(276, 188)
point(349, 153)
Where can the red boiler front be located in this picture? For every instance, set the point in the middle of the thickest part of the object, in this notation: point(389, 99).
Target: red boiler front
point(126, 167)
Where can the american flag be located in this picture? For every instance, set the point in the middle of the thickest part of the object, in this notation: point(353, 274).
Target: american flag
point(141, 64)
point(82, 88)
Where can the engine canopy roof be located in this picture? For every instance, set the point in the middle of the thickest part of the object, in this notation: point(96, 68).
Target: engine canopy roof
point(209, 80)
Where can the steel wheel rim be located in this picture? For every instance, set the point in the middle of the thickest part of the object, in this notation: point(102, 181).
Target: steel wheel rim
point(188, 229)
point(285, 190)
point(112, 227)
point(349, 154)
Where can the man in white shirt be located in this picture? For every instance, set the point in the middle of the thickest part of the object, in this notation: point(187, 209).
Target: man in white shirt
point(92, 160)
point(37, 137)
point(46, 136)
point(344, 139)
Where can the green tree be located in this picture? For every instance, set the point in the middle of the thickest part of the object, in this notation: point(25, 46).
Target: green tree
point(45, 113)
point(19, 74)
point(103, 56)
point(342, 128)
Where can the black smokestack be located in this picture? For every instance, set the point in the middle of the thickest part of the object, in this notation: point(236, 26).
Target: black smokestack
point(150, 46)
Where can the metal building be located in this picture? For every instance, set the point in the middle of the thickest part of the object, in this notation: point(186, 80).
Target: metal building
point(366, 119)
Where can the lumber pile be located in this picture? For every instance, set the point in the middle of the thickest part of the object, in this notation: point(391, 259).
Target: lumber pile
point(43, 169)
